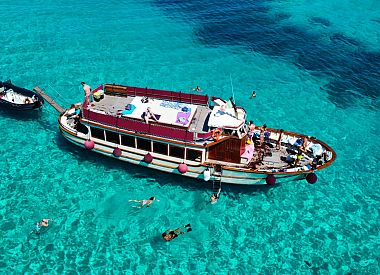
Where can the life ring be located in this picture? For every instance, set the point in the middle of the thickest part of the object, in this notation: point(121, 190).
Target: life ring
point(216, 133)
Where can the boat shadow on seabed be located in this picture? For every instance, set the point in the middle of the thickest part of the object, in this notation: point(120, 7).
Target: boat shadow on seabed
point(33, 115)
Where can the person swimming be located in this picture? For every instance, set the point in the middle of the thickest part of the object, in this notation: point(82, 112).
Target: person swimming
point(215, 196)
point(44, 223)
point(170, 234)
point(146, 203)
point(197, 89)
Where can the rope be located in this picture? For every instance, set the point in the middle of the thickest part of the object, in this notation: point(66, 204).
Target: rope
point(232, 89)
point(66, 102)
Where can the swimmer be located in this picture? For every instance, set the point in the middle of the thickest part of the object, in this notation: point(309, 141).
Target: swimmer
point(42, 224)
point(169, 234)
point(215, 196)
point(146, 203)
point(253, 94)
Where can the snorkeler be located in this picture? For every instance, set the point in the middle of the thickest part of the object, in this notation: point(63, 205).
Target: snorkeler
point(169, 234)
point(146, 203)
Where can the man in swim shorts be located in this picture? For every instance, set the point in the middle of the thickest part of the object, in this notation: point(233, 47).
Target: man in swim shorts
point(87, 92)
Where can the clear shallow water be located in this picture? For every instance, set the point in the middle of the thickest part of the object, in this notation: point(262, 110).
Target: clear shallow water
point(322, 79)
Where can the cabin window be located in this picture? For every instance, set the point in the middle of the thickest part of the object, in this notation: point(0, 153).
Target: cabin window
point(194, 155)
point(112, 137)
point(177, 152)
point(160, 148)
point(128, 141)
point(144, 144)
point(97, 133)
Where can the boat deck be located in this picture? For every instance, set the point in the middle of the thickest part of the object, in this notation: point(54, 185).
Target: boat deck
point(115, 105)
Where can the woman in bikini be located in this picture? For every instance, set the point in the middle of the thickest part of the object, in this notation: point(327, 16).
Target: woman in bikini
point(149, 114)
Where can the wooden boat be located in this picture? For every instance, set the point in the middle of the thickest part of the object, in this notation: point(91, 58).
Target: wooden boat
point(191, 135)
point(15, 97)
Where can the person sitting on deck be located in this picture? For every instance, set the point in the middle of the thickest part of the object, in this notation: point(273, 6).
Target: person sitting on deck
point(315, 162)
point(149, 114)
point(298, 158)
point(305, 144)
point(71, 111)
point(73, 114)
point(169, 234)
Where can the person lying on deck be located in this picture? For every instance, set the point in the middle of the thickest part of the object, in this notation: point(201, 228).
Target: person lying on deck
point(149, 114)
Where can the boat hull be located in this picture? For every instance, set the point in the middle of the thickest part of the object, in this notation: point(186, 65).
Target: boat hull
point(230, 176)
point(24, 92)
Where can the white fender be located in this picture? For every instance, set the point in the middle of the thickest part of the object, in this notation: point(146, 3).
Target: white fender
point(207, 174)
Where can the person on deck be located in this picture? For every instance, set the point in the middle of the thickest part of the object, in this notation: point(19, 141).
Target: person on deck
point(87, 92)
point(298, 158)
point(278, 143)
point(305, 144)
point(169, 234)
point(71, 111)
point(149, 114)
point(251, 128)
point(262, 143)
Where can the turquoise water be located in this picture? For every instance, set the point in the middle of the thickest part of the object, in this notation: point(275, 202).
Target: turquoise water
point(316, 70)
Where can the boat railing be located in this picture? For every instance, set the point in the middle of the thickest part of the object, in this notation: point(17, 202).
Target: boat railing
point(139, 126)
point(159, 94)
